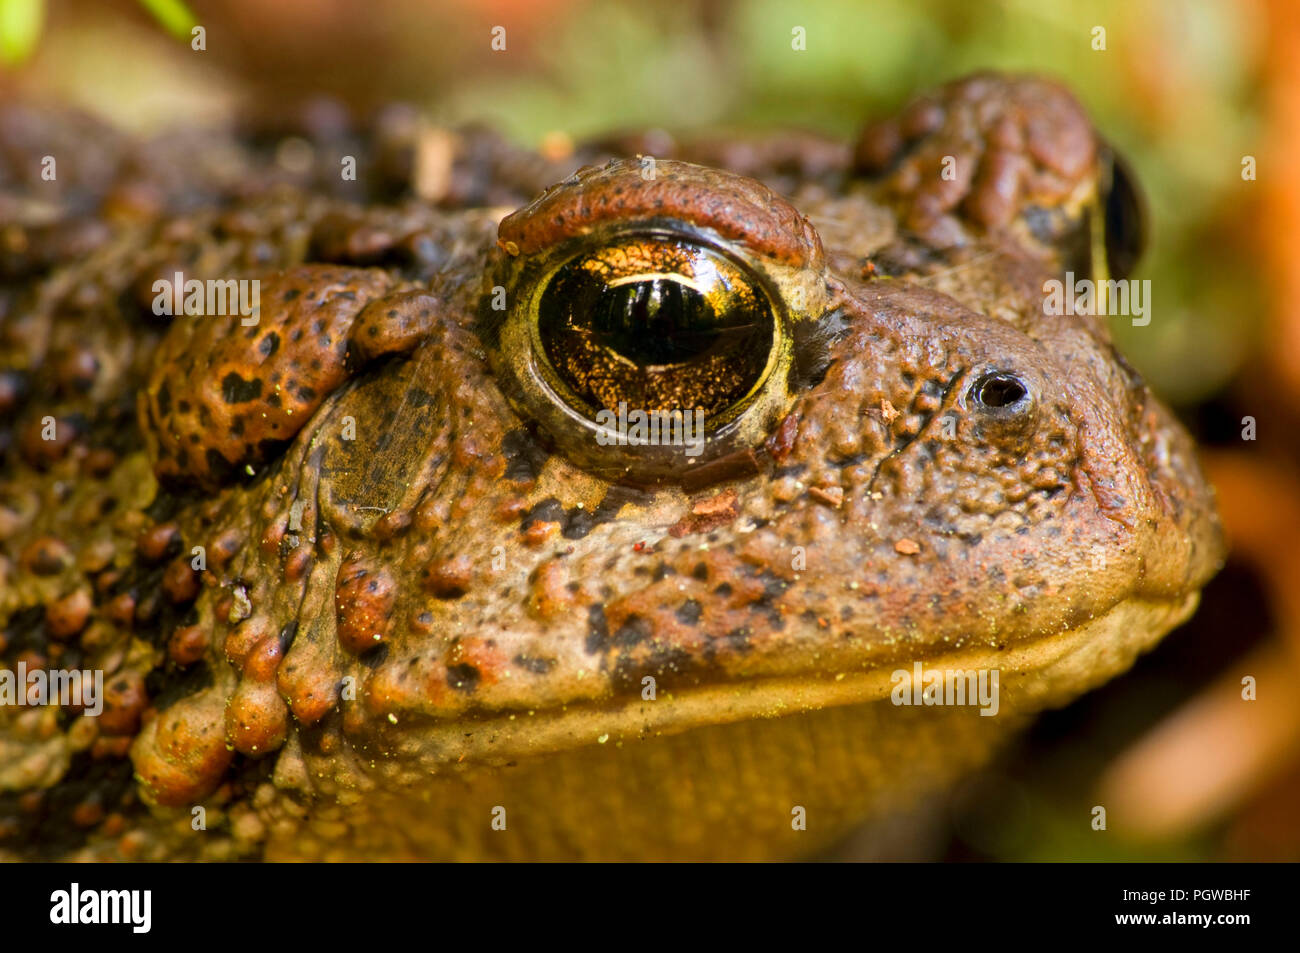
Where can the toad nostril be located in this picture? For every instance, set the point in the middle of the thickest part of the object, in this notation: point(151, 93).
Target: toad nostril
point(999, 390)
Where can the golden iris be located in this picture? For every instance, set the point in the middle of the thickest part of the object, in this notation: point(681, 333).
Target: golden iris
point(658, 323)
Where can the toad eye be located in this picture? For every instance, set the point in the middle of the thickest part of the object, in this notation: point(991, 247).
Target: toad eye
point(648, 324)
point(655, 323)
point(1125, 219)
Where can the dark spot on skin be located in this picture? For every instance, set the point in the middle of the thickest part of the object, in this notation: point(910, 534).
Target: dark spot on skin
point(737, 639)
point(463, 677)
point(772, 585)
point(578, 523)
point(165, 688)
point(773, 588)
point(291, 294)
point(373, 658)
point(633, 632)
point(164, 400)
point(24, 631)
point(597, 628)
point(270, 449)
point(419, 397)
point(287, 635)
point(237, 390)
point(538, 666)
point(665, 663)
point(269, 344)
point(221, 468)
point(723, 590)
point(688, 613)
point(548, 510)
point(524, 456)
point(700, 572)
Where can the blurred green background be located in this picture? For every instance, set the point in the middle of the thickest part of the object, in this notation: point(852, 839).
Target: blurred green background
point(1176, 89)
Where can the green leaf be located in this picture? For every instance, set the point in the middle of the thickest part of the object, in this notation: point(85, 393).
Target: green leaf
point(20, 28)
point(174, 16)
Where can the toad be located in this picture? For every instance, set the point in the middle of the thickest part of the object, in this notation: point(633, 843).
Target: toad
point(410, 559)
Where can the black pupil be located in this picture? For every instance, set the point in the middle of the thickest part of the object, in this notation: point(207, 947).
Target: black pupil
point(653, 322)
point(1000, 390)
point(678, 330)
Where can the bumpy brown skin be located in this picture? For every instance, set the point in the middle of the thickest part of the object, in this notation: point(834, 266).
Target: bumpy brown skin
point(403, 584)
